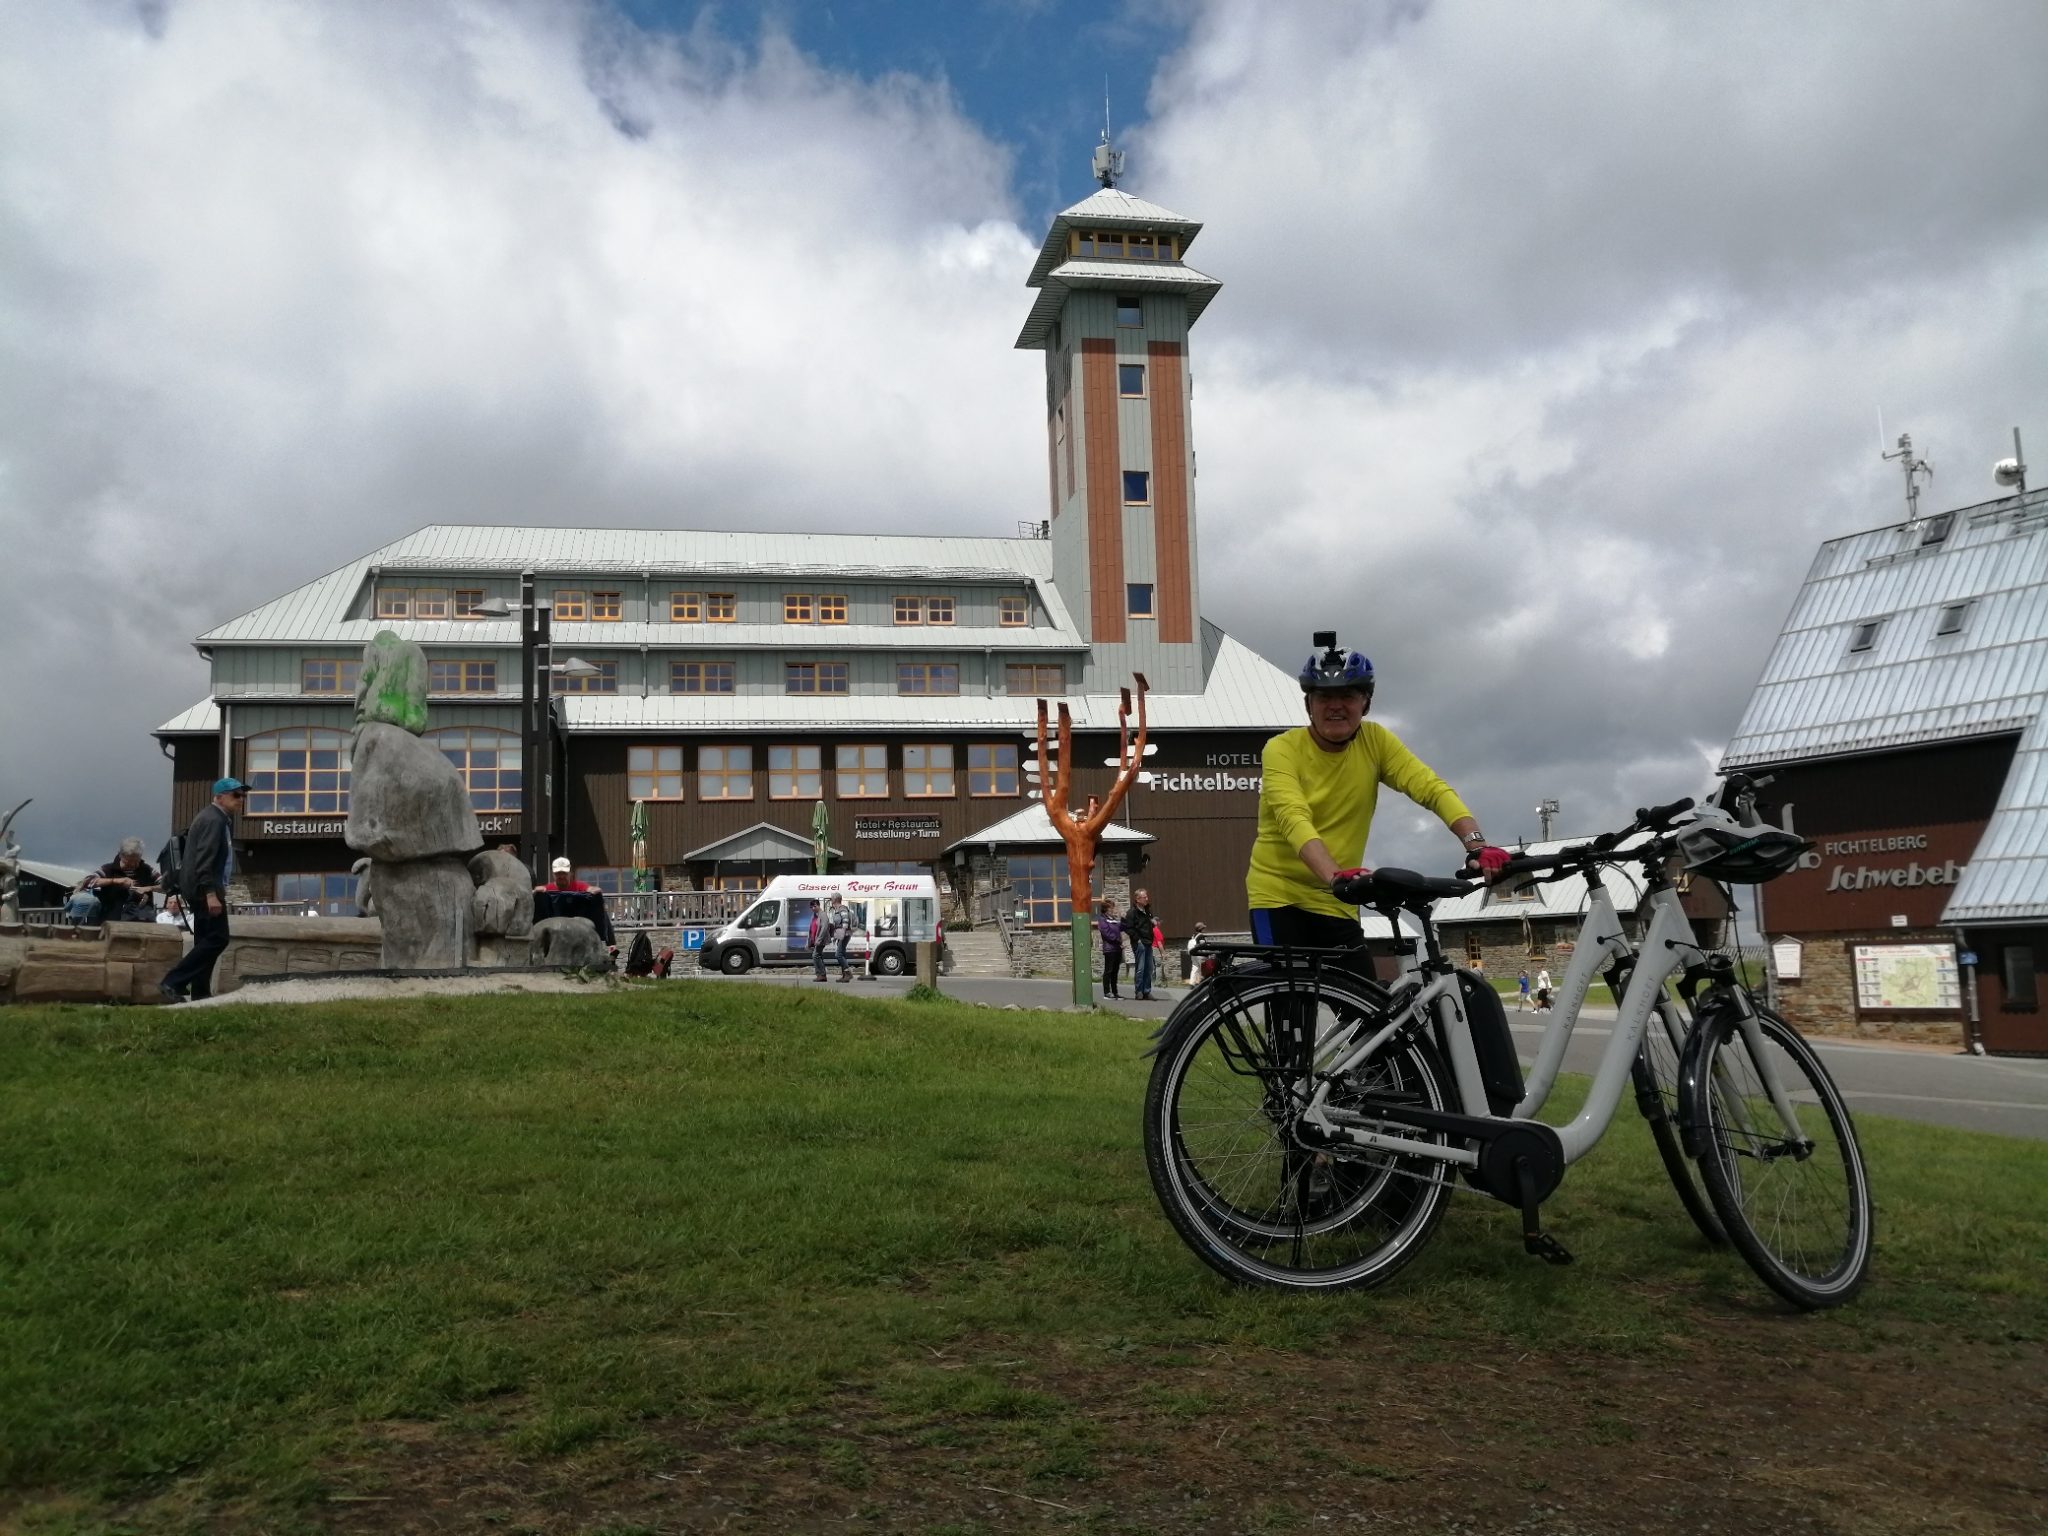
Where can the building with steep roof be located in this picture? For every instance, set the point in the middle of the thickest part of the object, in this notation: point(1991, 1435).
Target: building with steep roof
point(736, 679)
point(1904, 715)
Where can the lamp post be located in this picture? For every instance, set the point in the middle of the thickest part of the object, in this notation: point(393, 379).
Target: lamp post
point(536, 738)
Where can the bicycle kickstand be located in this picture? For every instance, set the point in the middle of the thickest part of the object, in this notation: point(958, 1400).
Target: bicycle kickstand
point(1534, 1239)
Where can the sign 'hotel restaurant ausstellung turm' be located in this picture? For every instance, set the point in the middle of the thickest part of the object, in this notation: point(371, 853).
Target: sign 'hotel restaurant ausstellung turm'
point(743, 677)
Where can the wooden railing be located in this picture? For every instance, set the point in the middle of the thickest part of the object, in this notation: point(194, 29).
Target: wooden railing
point(676, 909)
point(997, 905)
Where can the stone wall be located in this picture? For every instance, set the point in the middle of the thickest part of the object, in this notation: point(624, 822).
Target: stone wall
point(1822, 1001)
point(301, 946)
point(1036, 951)
point(117, 963)
point(1506, 951)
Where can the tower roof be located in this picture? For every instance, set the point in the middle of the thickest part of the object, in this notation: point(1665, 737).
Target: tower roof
point(1107, 208)
point(1123, 277)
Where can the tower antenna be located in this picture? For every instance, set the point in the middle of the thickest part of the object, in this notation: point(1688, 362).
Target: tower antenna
point(1109, 161)
point(1913, 468)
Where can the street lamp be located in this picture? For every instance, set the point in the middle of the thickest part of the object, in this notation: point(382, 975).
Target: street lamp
point(536, 740)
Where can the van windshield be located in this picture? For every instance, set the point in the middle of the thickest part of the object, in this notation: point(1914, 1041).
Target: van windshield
point(761, 914)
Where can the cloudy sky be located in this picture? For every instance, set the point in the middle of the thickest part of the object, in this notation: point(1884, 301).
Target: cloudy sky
point(1553, 338)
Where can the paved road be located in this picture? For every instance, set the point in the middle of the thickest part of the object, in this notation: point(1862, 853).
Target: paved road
point(1977, 1093)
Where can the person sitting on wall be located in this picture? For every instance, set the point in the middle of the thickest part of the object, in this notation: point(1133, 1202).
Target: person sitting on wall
point(563, 878)
point(119, 892)
point(566, 896)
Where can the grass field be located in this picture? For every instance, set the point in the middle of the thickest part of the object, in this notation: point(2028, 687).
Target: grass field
point(663, 1258)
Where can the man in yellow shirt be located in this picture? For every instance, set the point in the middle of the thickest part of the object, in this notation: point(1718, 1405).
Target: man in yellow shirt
point(1321, 784)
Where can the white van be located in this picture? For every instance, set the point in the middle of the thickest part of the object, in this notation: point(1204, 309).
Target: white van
point(891, 913)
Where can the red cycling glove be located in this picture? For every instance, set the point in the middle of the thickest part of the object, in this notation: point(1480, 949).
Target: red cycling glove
point(1350, 874)
point(1491, 860)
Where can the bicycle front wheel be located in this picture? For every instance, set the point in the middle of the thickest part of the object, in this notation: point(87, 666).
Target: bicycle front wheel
point(1793, 1195)
point(1656, 1080)
point(1238, 1186)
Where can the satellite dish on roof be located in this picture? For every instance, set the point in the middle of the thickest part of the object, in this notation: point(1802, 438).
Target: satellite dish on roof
point(2012, 471)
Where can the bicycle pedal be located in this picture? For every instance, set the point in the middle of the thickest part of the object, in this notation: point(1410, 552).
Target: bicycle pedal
point(1546, 1248)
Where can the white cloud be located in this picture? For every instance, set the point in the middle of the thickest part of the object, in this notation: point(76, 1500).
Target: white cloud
point(285, 280)
point(1551, 341)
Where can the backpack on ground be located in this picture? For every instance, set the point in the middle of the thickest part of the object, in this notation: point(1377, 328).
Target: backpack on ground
point(640, 957)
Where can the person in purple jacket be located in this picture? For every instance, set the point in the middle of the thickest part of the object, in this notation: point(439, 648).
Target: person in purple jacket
point(1111, 932)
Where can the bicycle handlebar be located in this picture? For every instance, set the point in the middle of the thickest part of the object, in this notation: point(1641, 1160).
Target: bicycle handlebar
point(1657, 817)
point(1654, 818)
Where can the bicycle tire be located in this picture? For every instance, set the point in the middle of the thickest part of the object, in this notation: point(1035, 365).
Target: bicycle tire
point(1251, 1202)
point(1656, 1073)
point(1797, 1209)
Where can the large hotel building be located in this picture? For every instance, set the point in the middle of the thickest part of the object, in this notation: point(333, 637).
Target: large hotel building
point(735, 680)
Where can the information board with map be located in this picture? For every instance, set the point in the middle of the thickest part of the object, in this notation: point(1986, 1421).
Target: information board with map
point(1907, 976)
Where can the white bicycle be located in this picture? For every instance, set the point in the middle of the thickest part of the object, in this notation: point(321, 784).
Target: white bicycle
point(1305, 1125)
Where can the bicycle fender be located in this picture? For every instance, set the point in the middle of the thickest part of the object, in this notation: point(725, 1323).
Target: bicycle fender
point(1704, 1018)
point(1163, 1035)
point(1196, 1000)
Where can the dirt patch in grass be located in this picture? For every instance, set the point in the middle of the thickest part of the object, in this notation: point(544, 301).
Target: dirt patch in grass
point(1762, 1424)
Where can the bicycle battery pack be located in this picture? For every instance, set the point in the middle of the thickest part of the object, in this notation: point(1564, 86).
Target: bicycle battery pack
point(1500, 1069)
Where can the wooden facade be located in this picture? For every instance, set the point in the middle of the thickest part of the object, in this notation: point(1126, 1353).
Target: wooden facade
point(1892, 833)
point(1105, 491)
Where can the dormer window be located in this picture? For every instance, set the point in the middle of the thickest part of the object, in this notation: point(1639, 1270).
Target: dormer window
point(1951, 620)
point(1864, 636)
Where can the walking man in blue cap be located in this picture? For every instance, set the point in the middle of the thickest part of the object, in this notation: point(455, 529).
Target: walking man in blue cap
point(203, 886)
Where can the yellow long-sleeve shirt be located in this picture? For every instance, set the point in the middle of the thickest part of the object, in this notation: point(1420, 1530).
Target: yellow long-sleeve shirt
point(1308, 793)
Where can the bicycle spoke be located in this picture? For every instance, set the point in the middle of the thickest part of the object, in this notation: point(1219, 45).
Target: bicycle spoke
point(1795, 1199)
point(1238, 1182)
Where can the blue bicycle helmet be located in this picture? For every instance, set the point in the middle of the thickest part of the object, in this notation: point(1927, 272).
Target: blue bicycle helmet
point(1332, 668)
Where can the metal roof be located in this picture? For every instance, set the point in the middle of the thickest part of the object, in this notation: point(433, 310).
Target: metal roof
point(1109, 208)
point(1564, 898)
point(596, 639)
point(1245, 692)
point(1033, 825)
point(1818, 698)
point(2006, 879)
point(1124, 276)
point(55, 874)
point(318, 611)
point(763, 840)
point(1980, 571)
point(201, 718)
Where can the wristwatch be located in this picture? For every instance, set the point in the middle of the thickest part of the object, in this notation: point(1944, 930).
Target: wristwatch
point(1474, 839)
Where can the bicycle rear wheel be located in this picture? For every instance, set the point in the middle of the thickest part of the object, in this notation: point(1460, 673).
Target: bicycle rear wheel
point(1656, 1080)
point(1794, 1198)
point(1242, 1192)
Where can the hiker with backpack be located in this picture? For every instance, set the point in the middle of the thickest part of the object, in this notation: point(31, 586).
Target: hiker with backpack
point(208, 860)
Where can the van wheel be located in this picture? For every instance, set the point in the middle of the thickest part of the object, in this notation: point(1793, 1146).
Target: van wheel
point(736, 961)
point(889, 963)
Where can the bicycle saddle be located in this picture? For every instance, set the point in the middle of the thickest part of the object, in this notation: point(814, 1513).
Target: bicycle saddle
point(1402, 886)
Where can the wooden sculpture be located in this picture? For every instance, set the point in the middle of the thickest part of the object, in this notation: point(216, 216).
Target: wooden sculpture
point(1083, 833)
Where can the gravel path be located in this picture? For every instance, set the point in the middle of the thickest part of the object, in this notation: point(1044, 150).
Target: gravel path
point(341, 988)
